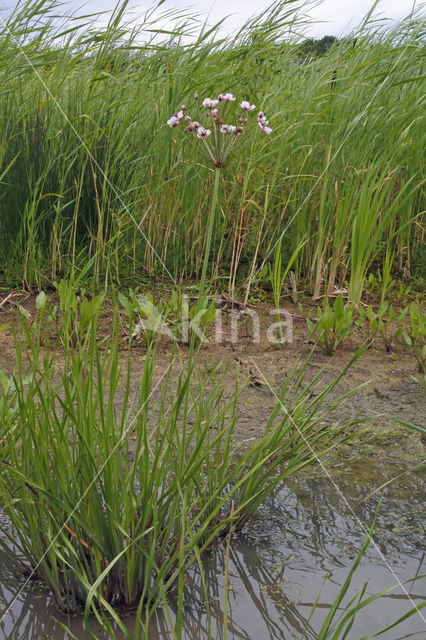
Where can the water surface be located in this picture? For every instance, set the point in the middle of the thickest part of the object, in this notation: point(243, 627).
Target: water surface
point(301, 543)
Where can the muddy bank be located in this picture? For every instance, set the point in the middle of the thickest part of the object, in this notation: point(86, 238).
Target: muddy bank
point(388, 391)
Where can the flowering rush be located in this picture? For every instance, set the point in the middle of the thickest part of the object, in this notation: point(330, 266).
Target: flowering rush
point(218, 135)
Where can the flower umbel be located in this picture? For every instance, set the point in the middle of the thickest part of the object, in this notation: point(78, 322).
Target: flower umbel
point(218, 140)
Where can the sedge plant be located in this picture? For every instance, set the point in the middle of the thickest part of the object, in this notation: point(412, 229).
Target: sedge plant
point(277, 278)
point(113, 489)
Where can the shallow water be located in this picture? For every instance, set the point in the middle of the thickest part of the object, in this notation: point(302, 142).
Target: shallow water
point(301, 544)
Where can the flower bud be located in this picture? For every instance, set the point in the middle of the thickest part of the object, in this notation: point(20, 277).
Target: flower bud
point(195, 96)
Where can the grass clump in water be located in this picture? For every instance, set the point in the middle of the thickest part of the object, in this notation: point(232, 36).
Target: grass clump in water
point(113, 489)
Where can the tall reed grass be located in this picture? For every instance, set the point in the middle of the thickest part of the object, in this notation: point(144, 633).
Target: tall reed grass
point(90, 170)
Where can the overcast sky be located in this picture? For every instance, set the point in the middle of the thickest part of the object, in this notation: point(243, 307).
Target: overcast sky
point(330, 17)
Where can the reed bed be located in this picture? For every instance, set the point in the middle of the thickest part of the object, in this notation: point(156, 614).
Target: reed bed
point(92, 175)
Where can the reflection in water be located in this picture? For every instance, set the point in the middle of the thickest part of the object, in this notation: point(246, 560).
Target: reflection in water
point(302, 542)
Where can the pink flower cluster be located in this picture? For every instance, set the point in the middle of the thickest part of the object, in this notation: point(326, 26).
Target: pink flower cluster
point(177, 117)
point(263, 123)
point(225, 97)
point(209, 104)
point(202, 132)
point(246, 106)
point(215, 150)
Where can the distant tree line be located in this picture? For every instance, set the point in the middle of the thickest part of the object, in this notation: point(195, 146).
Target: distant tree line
point(312, 47)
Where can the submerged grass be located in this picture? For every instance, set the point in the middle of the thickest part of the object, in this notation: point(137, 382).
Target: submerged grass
point(111, 492)
point(342, 615)
point(90, 168)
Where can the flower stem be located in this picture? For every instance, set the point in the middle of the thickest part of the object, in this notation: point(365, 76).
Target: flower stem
point(209, 232)
point(196, 319)
point(210, 226)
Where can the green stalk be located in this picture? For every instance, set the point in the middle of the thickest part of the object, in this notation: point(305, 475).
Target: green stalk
point(200, 303)
point(206, 257)
point(226, 584)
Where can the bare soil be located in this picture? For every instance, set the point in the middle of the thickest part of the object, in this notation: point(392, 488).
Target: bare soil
point(390, 393)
